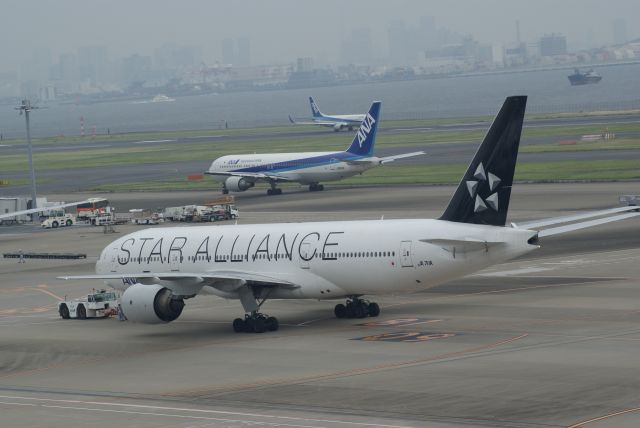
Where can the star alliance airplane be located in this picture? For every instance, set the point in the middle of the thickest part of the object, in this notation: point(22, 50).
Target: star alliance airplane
point(238, 173)
point(159, 270)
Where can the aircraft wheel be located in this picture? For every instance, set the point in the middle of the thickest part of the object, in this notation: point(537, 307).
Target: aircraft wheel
point(225, 191)
point(374, 309)
point(359, 311)
point(320, 187)
point(340, 311)
point(82, 312)
point(259, 325)
point(64, 312)
point(273, 324)
point(238, 325)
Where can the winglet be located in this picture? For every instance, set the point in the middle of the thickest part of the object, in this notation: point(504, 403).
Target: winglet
point(365, 138)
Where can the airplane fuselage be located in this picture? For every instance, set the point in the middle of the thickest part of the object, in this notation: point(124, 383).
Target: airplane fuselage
point(326, 260)
point(304, 168)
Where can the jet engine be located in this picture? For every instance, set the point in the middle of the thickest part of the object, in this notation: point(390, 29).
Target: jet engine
point(151, 304)
point(337, 127)
point(238, 184)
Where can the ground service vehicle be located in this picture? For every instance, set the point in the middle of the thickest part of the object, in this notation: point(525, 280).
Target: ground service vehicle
point(59, 219)
point(95, 305)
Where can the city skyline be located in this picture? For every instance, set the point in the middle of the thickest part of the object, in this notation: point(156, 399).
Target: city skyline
point(280, 31)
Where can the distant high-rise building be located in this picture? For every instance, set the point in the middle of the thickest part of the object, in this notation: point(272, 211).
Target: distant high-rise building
point(400, 43)
point(93, 63)
point(428, 33)
point(553, 44)
point(170, 56)
point(304, 64)
point(244, 52)
point(619, 31)
point(136, 68)
point(358, 49)
point(228, 51)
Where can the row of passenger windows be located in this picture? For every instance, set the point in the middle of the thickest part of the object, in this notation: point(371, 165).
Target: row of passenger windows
point(262, 256)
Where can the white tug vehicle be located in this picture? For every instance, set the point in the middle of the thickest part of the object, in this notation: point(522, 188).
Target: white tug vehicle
point(96, 305)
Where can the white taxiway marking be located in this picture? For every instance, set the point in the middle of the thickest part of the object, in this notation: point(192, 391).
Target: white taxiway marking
point(147, 410)
point(154, 141)
point(515, 271)
point(5, 145)
point(206, 136)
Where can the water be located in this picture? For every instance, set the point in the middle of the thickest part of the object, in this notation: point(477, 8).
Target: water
point(549, 91)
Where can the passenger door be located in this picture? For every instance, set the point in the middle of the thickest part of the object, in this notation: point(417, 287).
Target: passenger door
point(406, 259)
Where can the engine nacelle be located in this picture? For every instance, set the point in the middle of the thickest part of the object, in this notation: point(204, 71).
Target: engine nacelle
point(337, 127)
point(237, 184)
point(150, 304)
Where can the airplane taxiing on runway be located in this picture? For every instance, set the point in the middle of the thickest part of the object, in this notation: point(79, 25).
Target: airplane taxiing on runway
point(241, 172)
point(336, 121)
point(160, 269)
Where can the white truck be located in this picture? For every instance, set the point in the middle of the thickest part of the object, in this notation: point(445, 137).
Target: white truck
point(59, 219)
point(96, 305)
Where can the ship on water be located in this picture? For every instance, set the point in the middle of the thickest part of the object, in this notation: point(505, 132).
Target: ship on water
point(579, 78)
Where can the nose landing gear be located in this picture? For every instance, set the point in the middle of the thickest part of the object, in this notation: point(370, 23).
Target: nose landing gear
point(357, 308)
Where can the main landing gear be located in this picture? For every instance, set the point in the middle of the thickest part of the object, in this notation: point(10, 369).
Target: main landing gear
point(315, 187)
point(357, 308)
point(255, 322)
point(274, 190)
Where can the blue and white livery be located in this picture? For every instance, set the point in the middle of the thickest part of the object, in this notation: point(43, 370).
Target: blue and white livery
point(238, 173)
point(337, 122)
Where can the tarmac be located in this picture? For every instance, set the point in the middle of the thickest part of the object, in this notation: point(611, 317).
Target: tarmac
point(548, 340)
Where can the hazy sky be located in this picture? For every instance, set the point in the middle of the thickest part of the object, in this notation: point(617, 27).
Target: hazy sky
point(281, 30)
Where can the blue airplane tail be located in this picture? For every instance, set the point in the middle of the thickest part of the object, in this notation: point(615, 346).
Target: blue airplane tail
point(315, 111)
point(365, 138)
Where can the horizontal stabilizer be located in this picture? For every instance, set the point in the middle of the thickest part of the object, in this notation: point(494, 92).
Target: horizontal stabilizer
point(535, 224)
point(388, 159)
point(583, 225)
point(465, 244)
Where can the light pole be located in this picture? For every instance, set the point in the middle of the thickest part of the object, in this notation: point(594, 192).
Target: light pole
point(26, 108)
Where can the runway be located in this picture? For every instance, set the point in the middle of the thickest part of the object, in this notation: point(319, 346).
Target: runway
point(546, 340)
point(83, 179)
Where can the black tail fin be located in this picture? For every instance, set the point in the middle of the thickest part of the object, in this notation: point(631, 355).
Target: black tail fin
point(482, 197)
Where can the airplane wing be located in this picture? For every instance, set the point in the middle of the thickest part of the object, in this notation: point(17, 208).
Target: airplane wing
point(190, 284)
point(606, 216)
point(193, 278)
point(55, 207)
point(317, 122)
point(384, 160)
point(253, 176)
point(388, 159)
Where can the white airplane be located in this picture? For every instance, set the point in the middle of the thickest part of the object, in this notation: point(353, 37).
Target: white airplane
point(238, 173)
point(48, 208)
point(336, 121)
point(159, 269)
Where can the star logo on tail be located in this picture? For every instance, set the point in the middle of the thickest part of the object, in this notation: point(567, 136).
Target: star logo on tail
point(481, 176)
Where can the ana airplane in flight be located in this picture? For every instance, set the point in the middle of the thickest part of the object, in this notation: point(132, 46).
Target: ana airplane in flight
point(160, 269)
point(336, 121)
point(241, 172)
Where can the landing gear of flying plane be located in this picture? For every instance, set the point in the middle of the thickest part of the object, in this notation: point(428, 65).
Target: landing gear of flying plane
point(315, 187)
point(357, 308)
point(255, 322)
